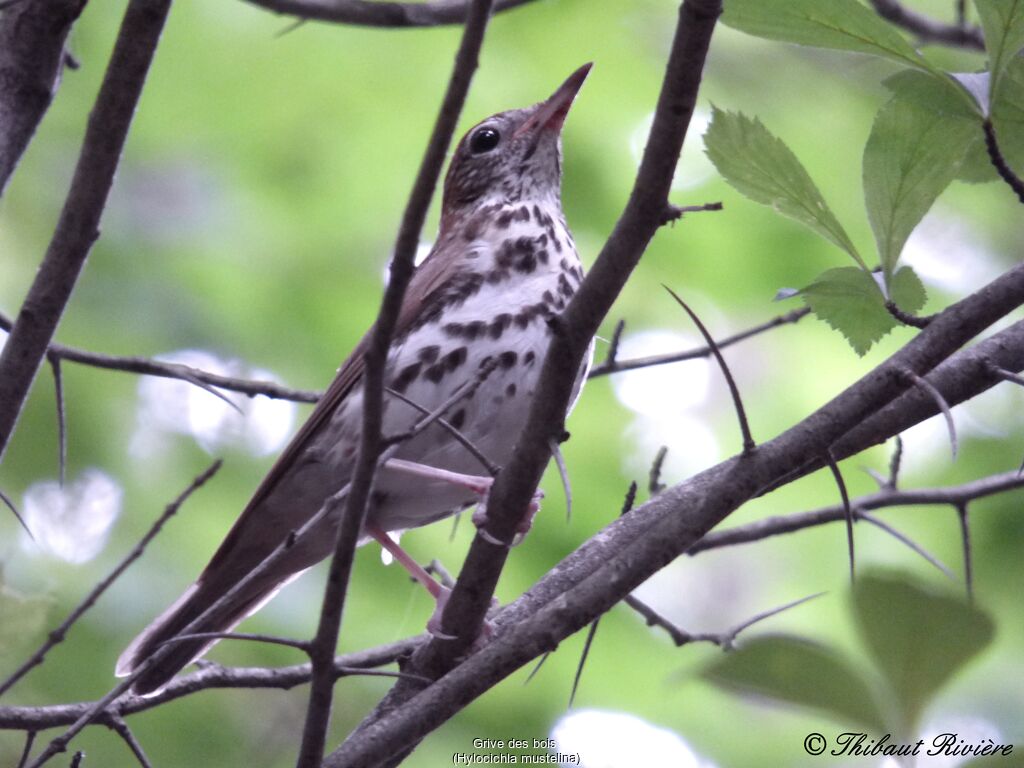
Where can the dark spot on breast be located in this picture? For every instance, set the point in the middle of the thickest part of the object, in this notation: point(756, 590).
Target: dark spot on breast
point(528, 358)
point(517, 254)
point(453, 292)
point(429, 354)
point(563, 264)
point(542, 255)
point(507, 359)
point(523, 214)
point(504, 220)
point(556, 241)
point(435, 372)
point(499, 324)
point(406, 377)
point(451, 329)
point(496, 276)
point(486, 362)
point(563, 286)
point(454, 359)
point(458, 418)
point(510, 390)
point(474, 329)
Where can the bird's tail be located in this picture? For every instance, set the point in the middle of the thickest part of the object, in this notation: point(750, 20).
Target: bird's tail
point(169, 625)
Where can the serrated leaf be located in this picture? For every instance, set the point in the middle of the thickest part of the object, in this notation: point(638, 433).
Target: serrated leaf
point(920, 638)
point(850, 300)
point(911, 156)
point(907, 291)
point(797, 671)
point(1002, 21)
point(942, 95)
point(763, 168)
point(1008, 116)
point(840, 24)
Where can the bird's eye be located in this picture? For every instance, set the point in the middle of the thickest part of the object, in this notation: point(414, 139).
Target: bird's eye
point(483, 140)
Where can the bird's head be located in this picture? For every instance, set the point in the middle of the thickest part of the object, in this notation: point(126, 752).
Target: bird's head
point(514, 155)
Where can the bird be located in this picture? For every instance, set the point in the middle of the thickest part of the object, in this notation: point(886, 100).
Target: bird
point(477, 315)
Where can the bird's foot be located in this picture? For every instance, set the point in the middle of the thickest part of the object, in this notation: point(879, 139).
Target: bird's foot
point(480, 520)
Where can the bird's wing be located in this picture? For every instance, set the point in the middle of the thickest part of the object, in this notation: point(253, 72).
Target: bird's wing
point(428, 281)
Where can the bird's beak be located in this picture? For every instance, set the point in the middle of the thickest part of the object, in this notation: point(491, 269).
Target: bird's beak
point(551, 113)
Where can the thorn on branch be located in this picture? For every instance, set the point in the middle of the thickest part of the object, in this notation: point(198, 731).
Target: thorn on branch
point(894, 464)
point(748, 441)
point(117, 724)
point(587, 644)
point(906, 318)
point(847, 509)
point(76, 761)
point(62, 432)
point(630, 500)
point(654, 484)
point(613, 345)
point(965, 538)
point(672, 213)
point(940, 401)
point(563, 472)
point(995, 154)
point(17, 515)
point(906, 540)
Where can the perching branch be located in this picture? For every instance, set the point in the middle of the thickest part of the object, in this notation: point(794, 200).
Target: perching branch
point(78, 226)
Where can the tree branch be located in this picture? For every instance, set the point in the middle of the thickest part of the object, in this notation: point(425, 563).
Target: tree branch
point(402, 265)
point(57, 635)
point(77, 227)
point(32, 37)
point(375, 740)
point(927, 29)
point(209, 677)
point(371, 13)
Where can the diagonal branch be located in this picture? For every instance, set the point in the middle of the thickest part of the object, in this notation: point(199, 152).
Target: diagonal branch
point(928, 29)
point(57, 635)
point(379, 13)
point(402, 265)
point(78, 226)
point(32, 37)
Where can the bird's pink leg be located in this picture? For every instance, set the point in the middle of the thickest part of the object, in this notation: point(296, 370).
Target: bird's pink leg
point(439, 592)
point(479, 485)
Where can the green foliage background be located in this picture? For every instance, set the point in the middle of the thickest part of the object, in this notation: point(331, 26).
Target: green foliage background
point(253, 214)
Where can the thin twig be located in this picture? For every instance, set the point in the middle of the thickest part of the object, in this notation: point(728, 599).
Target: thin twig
point(927, 29)
point(782, 524)
point(907, 318)
point(62, 430)
point(76, 761)
point(895, 462)
point(120, 727)
point(673, 213)
point(17, 515)
point(940, 401)
point(748, 441)
point(209, 677)
point(289, 642)
point(57, 635)
point(847, 509)
point(30, 738)
point(1006, 173)
point(606, 368)
point(311, 752)
point(654, 484)
point(904, 539)
point(613, 345)
point(965, 537)
point(78, 225)
point(149, 367)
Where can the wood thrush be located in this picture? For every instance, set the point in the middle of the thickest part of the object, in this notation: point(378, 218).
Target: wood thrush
point(476, 310)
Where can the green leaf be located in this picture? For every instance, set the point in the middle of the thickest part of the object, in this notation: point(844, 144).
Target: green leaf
point(920, 638)
point(842, 24)
point(911, 156)
point(1002, 21)
point(941, 95)
point(764, 169)
point(797, 671)
point(1008, 115)
point(850, 300)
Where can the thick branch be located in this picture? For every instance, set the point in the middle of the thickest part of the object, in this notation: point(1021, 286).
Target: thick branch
point(78, 225)
point(374, 13)
point(631, 549)
point(32, 36)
